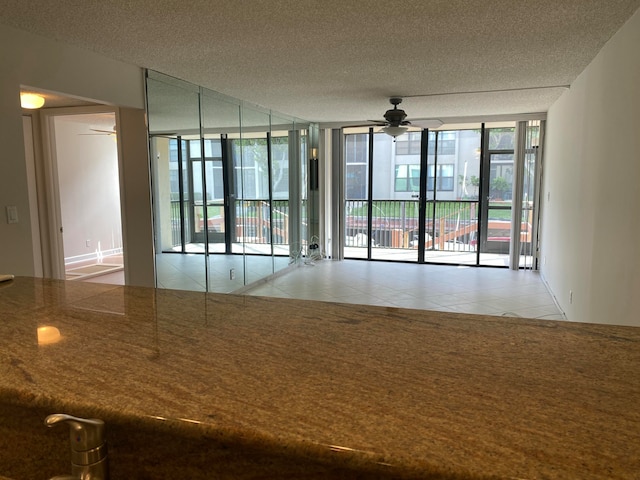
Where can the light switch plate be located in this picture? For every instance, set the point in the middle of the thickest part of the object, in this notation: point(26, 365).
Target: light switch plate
point(12, 214)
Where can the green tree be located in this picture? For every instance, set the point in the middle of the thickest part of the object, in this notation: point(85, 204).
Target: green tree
point(469, 186)
point(255, 149)
point(499, 186)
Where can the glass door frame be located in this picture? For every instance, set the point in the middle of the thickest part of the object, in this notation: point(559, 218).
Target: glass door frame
point(433, 145)
point(370, 169)
point(422, 196)
point(183, 150)
point(485, 188)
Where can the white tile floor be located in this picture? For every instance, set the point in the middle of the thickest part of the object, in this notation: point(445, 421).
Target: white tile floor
point(490, 291)
point(187, 271)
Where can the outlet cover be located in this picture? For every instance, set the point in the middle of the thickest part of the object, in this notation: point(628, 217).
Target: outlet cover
point(12, 214)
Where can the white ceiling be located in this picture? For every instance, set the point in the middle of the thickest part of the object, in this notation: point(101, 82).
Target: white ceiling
point(340, 60)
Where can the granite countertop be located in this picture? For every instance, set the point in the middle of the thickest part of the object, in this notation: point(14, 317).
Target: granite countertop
point(387, 392)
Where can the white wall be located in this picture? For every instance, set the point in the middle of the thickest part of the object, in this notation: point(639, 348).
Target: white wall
point(41, 63)
point(135, 181)
point(591, 210)
point(89, 187)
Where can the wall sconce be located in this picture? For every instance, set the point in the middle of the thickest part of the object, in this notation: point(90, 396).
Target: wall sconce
point(313, 170)
point(31, 101)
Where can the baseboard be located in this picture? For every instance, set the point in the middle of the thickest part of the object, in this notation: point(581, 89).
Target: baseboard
point(93, 256)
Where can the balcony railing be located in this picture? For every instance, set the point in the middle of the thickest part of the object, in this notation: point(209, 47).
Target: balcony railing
point(255, 218)
point(256, 221)
point(395, 223)
point(449, 225)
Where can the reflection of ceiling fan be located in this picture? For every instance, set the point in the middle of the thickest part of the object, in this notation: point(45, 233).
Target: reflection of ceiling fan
point(396, 123)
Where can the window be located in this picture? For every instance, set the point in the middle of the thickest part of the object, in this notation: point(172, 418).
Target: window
point(246, 183)
point(356, 182)
point(280, 167)
point(214, 179)
point(213, 168)
point(250, 168)
point(408, 144)
point(446, 143)
point(356, 148)
point(501, 138)
point(445, 178)
point(212, 148)
point(356, 159)
point(174, 178)
point(407, 178)
point(173, 150)
point(174, 181)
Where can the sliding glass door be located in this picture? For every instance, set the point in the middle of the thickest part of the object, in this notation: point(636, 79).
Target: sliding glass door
point(509, 215)
point(395, 196)
point(453, 178)
point(497, 189)
point(389, 182)
point(207, 189)
point(443, 196)
point(357, 211)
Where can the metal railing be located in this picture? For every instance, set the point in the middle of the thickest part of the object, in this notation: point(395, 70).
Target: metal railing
point(449, 225)
point(255, 218)
point(176, 228)
point(394, 223)
point(253, 221)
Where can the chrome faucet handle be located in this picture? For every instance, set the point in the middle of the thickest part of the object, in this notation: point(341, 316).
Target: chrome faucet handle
point(85, 433)
point(88, 446)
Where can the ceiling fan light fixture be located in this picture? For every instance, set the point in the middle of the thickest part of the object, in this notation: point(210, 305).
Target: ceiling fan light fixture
point(31, 101)
point(394, 131)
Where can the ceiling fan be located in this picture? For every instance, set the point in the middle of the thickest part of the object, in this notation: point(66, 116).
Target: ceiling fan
point(396, 123)
point(98, 131)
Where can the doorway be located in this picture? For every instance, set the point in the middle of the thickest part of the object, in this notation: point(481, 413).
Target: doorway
point(81, 161)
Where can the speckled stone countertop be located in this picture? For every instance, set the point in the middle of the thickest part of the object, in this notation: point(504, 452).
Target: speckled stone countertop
point(253, 387)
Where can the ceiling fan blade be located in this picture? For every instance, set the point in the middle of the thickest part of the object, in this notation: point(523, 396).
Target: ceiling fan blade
point(163, 134)
point(108, 132)
point(426, 122)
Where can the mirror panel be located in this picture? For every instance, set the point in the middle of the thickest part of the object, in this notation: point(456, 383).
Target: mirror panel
point(253, 158)
point(229, 187)
point(174, 123)
point(220, 123)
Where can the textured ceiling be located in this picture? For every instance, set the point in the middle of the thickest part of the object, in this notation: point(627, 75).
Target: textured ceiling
point(340, 60)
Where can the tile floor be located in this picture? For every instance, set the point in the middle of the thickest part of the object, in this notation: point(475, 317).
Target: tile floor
point(489, 291)
point(187, 271)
